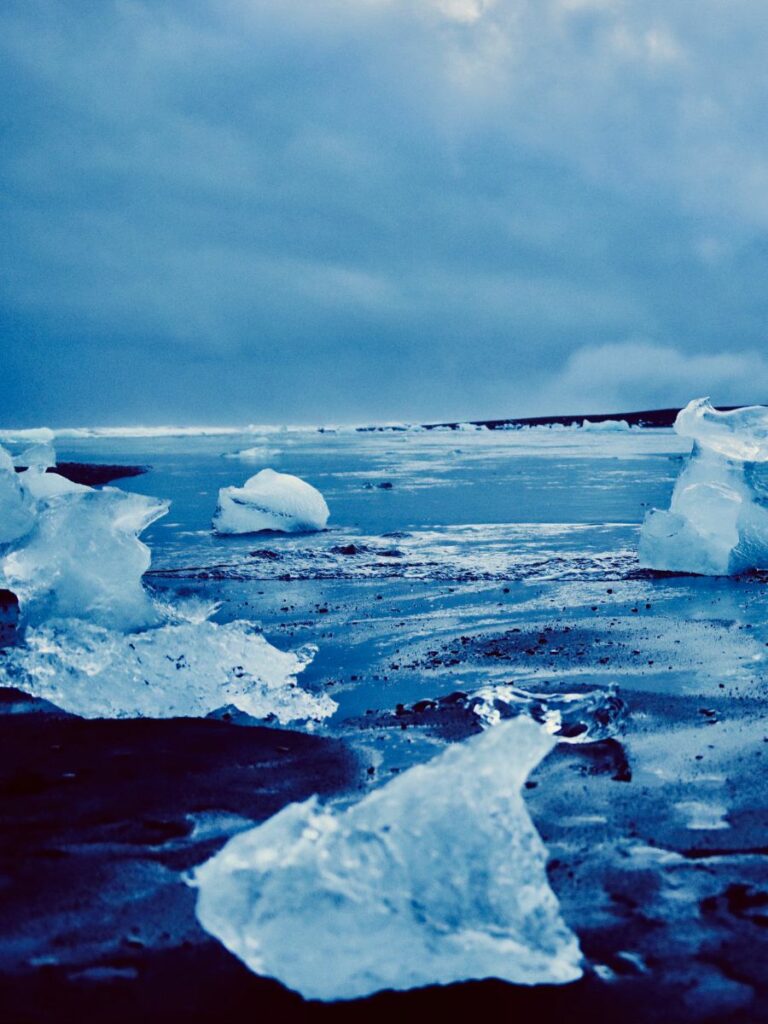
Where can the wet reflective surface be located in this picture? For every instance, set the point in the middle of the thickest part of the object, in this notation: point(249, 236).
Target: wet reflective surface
point(493, 559)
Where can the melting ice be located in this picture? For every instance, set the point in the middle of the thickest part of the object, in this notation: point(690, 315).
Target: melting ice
point(271, 501)
point(717, 523)
point(72, 556)
point(439, 876)
point(187, 669)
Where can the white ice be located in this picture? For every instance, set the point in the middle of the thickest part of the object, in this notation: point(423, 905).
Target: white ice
point(609, 426)
point(187, 669)
point(259, 453)
point(439, 876)
point(717, 523)
point(270, 501)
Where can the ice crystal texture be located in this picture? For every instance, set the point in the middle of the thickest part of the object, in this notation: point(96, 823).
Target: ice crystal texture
point(717, 523)
point(188, 669)
point(439, 876)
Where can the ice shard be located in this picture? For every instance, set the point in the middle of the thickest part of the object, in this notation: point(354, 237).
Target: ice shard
point(717, 523)
point(271, 501)
point(437, 877)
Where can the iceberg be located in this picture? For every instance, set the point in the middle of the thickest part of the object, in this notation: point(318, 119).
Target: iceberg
point(717, 523)
point(270, 501)
point(437, 877)
point(179, 670)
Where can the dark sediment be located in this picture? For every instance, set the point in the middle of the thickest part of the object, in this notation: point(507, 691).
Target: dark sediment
point(92, 474)
point(98, 821)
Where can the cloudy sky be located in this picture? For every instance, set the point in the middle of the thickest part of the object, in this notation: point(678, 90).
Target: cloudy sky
point(232, 211)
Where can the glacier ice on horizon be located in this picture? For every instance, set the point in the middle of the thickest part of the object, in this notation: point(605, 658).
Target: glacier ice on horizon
point(717, 523)
point(270, 501)
point(605, 426)
point(437, 877)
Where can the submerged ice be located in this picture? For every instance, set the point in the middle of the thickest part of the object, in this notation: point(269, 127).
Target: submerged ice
point(439, 876)
point(717, 523)
point(271, 501)
point(95, 642)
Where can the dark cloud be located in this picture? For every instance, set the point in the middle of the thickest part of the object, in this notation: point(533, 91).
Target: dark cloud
point(244, 211)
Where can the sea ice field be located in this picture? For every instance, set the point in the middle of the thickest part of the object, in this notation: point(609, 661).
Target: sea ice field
point(156, 774)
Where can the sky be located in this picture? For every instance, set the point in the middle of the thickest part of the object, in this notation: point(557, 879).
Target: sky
point(238, 211)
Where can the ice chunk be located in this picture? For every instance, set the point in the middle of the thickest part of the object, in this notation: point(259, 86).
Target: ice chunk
point(570, 717)
point(610, 426)
point(42, 485)
point(83, 558)
point(579, 717)
point(717, 523)
point(40, 456)
point(439, 876)
point(16, 509)
point(270, 501)
point(259, 453)
point(741, 434)
point(189, 669)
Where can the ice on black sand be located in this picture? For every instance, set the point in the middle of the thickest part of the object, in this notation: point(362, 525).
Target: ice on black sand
point(437, 877)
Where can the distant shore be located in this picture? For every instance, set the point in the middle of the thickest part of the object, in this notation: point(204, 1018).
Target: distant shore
point(654, 418)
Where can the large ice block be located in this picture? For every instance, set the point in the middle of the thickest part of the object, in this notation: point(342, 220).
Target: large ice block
point(83, 558)
point(717, 522)
point(439, 876)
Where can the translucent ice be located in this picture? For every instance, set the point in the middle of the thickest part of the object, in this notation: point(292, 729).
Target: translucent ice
point(270, 501)
point(16, 507)
point(741, 434)
point(717, 523)
point(439, 876)
point(570, 717)
point(189, 669)
point(83, 557)
point(73, 558)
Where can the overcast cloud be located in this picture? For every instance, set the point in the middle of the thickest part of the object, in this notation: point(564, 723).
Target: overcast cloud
point(342, 210)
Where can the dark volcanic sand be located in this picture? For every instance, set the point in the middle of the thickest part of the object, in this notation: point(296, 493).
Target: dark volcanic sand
point(92, 474)
point(658, 839)
point(102, 818)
